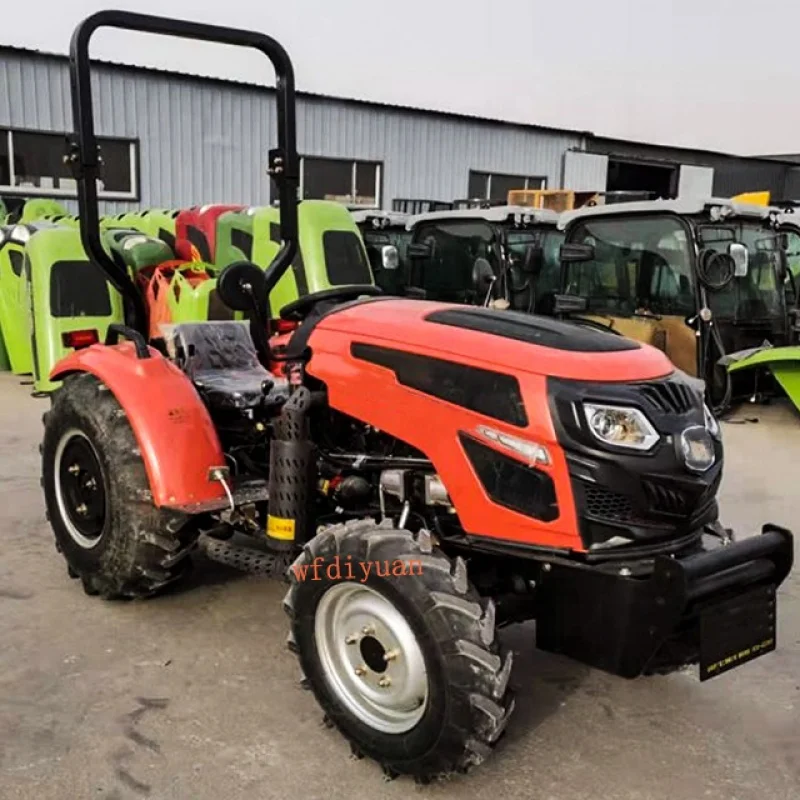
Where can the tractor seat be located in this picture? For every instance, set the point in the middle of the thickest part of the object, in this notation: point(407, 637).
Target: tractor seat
point(221, 361)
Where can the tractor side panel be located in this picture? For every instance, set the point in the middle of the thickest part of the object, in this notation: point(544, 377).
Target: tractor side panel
point(176, 436)
point(372, 393)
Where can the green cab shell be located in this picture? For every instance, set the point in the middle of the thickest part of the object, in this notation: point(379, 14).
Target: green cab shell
point(194, 298)
point(39, 207)
point(136, 251)
point(782, 362)
point(156, 222)
point(67, 293)
point(14, 327)
point(331, 249)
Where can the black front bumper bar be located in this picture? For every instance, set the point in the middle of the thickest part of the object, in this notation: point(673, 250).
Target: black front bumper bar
point(715, 607)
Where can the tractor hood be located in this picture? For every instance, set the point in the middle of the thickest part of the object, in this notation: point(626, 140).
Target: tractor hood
point(508, 340)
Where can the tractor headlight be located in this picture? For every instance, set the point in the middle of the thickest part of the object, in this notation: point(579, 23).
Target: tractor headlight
point(620, 426)
point(712, 426)
point(697, 448)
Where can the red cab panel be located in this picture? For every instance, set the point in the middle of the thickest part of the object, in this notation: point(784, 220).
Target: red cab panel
point(176, 436)
point(196, 232)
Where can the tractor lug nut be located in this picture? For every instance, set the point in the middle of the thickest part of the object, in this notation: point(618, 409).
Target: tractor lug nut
point(351, 638)
point(361, 670)
point(82, 509)
point(368, 630)
point(391, 655)
point(384, 682)
point(74, 469)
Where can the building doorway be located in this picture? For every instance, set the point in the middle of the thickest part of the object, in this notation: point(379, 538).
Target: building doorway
point(627, 176)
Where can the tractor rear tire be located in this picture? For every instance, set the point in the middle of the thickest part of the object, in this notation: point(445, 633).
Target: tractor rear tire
point(406, 666)
point(114, 539)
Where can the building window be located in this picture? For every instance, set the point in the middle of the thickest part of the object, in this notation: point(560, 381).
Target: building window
point(32, 163)
point(494, 186)
point(354, 183)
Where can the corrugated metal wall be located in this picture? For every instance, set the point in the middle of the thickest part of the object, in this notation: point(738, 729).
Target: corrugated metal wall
point(204, 141)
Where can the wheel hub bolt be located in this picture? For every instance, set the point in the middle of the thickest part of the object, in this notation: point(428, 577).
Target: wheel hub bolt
point(368, 630)
point(82, 509)
point(361, 670)
point(384, 682)
point(91, 483)
point(74, 469)
point(351, 638)
point(391, 655)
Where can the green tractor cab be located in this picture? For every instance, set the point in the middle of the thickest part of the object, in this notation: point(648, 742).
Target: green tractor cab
point(698, 279)
point(72, 302)
point(386, 237)
point(331, 252)
point(193, 295)
point(40, 207)
point(497, 256)
point(159, 223)
point(137, 251)
point(14, 308)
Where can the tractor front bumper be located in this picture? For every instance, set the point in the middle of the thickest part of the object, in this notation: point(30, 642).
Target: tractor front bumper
point(714, 607)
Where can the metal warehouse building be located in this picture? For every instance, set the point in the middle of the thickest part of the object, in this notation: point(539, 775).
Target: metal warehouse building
point(174, 140)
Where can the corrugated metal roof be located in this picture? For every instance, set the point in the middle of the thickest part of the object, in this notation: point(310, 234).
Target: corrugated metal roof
point(195, 75)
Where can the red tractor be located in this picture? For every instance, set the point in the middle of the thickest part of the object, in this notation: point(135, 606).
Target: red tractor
point(431, 472)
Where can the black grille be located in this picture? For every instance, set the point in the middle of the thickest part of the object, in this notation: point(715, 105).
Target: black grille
point(667, 501)
point(510, 483)
point(602, 503)
point(670, 397)
point(493, 394)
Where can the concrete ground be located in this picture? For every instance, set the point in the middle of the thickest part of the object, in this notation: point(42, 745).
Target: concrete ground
point(193, 696)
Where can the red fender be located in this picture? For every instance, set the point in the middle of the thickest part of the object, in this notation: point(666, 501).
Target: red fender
point(176, 436)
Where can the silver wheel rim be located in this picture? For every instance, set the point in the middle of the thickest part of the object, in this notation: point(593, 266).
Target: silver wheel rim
point(371, 658)
point(86, 542)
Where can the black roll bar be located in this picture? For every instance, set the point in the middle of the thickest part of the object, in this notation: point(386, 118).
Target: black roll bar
point(85, 158)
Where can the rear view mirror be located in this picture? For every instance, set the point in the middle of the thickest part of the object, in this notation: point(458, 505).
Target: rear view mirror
point(242, 286)
point(572, 253)
point(570, 304)
point(419, 250)
point(533, 260)
point(390, 258)
point(741, 259)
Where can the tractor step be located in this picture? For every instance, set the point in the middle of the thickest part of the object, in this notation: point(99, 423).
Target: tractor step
point(245, 557)
point(244, 492)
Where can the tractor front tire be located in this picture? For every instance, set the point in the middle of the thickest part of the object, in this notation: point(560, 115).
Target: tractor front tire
point(98, 499)
point(406, 664)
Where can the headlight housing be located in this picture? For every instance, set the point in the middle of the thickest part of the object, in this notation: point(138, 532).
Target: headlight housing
point(620, 426)
point(712, 426)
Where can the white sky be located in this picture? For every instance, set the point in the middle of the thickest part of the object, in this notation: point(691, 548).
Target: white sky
point(713, 74)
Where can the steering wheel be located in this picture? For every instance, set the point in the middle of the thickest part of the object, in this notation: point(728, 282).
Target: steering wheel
point(299, 309)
